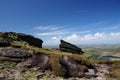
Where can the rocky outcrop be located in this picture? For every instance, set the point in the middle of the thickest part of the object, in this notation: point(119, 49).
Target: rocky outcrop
point(28, 58)
point(14, 54)
point(73, 69)
point(31, 40)
point(23, 55)
point(8, 37)
point(4, 44)
point(67, 47)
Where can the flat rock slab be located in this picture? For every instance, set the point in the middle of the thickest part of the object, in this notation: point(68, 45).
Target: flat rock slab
point(15, 52)
point(90, 73)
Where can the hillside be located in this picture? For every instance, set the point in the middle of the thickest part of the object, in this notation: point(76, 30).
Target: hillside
point(23, 58)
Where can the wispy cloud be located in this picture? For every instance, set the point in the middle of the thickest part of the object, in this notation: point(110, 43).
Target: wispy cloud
point(97, 23)
point(58, 32)
point(83, 32)
point(93, 24)
point(50, 30)
point(51, 27)
point(114, 27)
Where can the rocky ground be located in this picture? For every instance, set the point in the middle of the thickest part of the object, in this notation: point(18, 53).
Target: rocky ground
point(17, 68)
point(23, 58)
point(19, 73)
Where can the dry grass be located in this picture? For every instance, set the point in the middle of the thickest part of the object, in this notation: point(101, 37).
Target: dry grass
point(57, 69)
point(115, 70)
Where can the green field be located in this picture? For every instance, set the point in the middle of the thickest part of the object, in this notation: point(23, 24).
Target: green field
point(97, 51)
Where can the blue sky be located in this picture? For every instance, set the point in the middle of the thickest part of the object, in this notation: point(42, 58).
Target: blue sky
point(76, 21)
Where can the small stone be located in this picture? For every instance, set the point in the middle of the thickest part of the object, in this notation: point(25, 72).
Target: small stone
point(40, 75)
point(90, 73)
point(2, 77)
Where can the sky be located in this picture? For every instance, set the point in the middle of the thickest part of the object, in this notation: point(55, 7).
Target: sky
point(75, 21)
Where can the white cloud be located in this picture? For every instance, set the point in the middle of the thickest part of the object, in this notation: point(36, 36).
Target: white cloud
point(116, 35)
point(86, 37)
point(52, 27)
point(54, 38)
point(73, 37)
point(97, 38)
point(59, 32)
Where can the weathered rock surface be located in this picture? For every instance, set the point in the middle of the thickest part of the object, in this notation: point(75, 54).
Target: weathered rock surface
point(14, 54)
point(68, 47)
point(73, 69)
point(40, 60)
point(29, 57)
point(4, 44)
point(8, 37)
point(30, 39)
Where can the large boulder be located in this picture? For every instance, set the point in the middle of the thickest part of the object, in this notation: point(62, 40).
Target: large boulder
point(40, 60)
point(68, 47)
point(31, 40)
point(9, 37)
point(73, 68)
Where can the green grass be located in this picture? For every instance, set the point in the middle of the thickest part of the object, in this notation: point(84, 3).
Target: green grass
point(8, 64)
point(12, 37)
point(20, 43)
point(115, 59)
point(9, 37)
point(1, 39)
